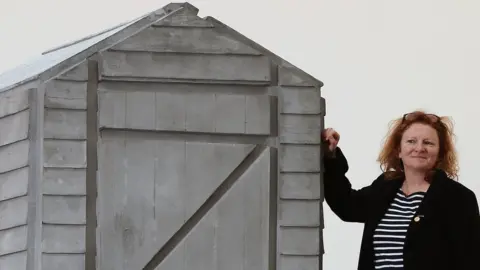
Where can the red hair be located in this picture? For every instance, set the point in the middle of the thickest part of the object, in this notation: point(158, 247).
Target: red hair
point(447, 156)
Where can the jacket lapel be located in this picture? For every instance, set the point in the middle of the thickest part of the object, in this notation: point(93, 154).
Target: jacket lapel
point(426, 208)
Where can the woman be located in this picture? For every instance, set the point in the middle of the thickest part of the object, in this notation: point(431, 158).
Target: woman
point(416, 216)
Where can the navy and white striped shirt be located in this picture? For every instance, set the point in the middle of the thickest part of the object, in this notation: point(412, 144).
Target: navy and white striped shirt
point(390, 234)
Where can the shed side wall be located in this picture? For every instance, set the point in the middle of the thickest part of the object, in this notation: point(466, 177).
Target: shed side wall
point(64, 183)
point(14, 174)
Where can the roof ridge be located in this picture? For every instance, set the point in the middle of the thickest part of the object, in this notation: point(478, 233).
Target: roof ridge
point(59, 47)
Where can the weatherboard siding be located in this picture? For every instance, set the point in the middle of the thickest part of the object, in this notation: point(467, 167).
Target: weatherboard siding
point(64, 175)
point(300, 203)
point(14, 174)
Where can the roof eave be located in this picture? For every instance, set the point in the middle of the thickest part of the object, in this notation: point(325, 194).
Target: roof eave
point(275, 58)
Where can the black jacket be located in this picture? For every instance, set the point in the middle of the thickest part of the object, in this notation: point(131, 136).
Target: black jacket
point(446, 237)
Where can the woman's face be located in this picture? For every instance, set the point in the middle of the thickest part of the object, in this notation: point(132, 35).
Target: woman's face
point(419, 147)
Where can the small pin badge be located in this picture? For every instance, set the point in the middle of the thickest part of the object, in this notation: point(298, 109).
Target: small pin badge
point(417, 218)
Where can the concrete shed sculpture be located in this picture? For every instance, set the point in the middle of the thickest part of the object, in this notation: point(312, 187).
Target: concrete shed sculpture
point(171, 142)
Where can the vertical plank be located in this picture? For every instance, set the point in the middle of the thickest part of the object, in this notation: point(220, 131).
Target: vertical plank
point(170, 190)
point(112, 109)
point(256, 215)
point(140, 205)
point(170, 111)
point(112, 192)
point(230, 113)
point(200, 250)
point(200, 112)
point(230, 231)
point(35, 165)
point(257, 115)
point(200, 175)
point(140, 110)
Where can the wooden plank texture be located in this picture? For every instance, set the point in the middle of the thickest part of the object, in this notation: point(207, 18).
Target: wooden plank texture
point(66, 94)
point(13, 101)
point(13, 213)
point(112, 107)
point(64, 181)
point(300, 158)
point(300, 262)
point(65, 154)
point(63, 261)
point(14, 156)
point(65, 124)
point(299, 100)
point(300, 186)
point(16, 261)
point(111, 194)
point(184, 40)
point(299, 129)
point(13, 184)
point(191, 111)
point(299, 241)
point(14, 128)
point(299, 213)
point(13, 240)
point(64, 209)
point(234, 233)
point(186, 67)
point(63, 239)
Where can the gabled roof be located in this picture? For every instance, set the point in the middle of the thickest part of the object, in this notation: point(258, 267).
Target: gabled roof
point(62, 58)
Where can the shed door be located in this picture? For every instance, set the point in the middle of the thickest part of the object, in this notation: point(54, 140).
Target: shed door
point(171, 202)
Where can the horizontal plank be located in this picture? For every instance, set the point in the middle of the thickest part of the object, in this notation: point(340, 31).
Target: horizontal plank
point(63, 239)
point(13, 213)
point(300, 262)
point(14, 156)
point(300, 186)
point(64, 181)
point(14, 128)
point(184, 40)
point(300, 129)
point(13, 240)
point(195, 112)
point(13, 101)
point(300, 100)
point(65, 154)
point(300, 158)
point(184, 20)
point(299, 241)
point(186, 66)
point(64, 209)
point(299, 213)
point(65, 124)
point(66, 94)
point(13, 184)
point(15, 261)
point(63, 261)
point(77, 73)
point(182, 88)
point(288, 78)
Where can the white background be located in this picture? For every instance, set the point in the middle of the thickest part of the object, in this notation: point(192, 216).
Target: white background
point(377, 58)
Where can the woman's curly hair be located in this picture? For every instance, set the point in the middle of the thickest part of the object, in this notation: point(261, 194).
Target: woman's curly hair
point(447, 161)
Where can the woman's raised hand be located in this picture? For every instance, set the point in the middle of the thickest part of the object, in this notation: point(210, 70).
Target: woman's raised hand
point(330, 137)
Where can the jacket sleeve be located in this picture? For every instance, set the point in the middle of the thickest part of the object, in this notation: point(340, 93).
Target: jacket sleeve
point(465, 232)
point(348, 204)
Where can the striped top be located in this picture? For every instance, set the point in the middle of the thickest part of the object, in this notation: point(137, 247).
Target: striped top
point(390, 234)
